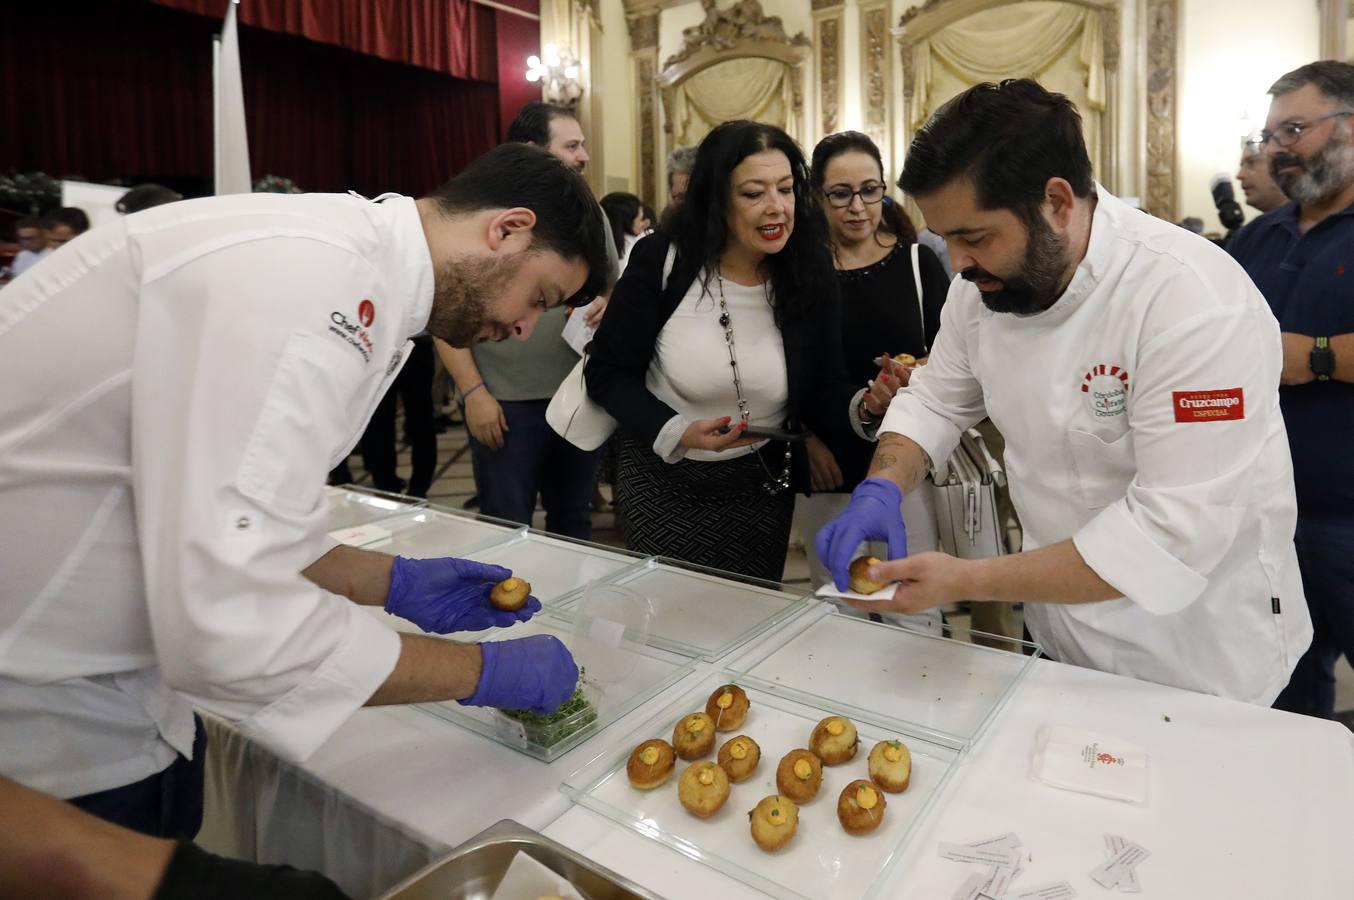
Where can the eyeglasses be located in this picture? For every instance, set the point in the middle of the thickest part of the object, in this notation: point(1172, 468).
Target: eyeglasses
point(841, 198)
point(1287, 134)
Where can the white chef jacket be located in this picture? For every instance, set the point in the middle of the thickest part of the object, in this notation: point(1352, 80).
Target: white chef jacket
point(176, 386)
point(1141, 418)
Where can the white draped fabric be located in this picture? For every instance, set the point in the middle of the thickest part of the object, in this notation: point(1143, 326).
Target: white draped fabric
point(743, 88)
point(1062, 44)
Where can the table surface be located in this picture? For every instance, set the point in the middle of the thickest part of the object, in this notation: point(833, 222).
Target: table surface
point(1242, 801)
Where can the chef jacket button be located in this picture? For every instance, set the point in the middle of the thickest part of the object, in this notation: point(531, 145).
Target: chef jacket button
point(242, 523)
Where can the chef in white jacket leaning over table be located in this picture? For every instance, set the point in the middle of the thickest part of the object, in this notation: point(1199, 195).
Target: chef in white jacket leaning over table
point(176, 386)
point(1133, 369)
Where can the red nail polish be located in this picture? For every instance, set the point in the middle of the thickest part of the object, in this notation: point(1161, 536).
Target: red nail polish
point(883, 378)
point(728, 419)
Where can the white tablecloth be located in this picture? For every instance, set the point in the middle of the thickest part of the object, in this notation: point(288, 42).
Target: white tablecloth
point(1242, 802)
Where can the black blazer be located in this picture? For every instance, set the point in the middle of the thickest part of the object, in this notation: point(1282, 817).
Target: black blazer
point(819, 392)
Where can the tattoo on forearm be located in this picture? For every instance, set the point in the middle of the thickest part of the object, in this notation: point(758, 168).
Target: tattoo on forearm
point(901, 460)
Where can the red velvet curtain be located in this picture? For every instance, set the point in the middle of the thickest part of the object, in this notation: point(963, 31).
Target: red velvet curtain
point(123, 89)
point(455, 37)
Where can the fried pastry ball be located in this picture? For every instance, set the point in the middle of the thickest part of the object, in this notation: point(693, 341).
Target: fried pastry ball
point(702, 789)
point(860, 808)
point(860, 580)
point(693, 736)
point(728, 706)
point(650, 764)
point(739, 758)
point(774, 821)
point(834, 740)
point(799, 775)
point(510, 594)
point(891, 766)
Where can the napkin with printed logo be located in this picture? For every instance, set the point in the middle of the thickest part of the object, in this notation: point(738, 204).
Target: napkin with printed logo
point(1090, 763)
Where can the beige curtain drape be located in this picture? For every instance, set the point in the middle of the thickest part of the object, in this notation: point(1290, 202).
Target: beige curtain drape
point(1021, 40)
point(747, 88)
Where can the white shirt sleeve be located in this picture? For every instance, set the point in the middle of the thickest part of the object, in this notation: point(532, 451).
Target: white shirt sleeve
point(1196, 480)
point(241, 395)
point(943, 398)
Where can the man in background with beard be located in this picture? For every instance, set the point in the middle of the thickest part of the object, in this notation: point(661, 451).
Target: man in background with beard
point(1301, 256)
point(1133, 369)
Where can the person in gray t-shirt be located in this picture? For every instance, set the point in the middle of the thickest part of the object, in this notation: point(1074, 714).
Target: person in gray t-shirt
point(506, 387)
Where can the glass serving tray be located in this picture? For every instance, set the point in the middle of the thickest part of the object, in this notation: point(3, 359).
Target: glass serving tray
point(555, 566)
point(702, 612)
point(648, 671)
point(821, 861)
point(945, 690)
point(352, 506)
point(429, 533)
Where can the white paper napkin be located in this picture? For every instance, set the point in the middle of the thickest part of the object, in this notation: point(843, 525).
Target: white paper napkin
point(1090, 763)
point(527, 879)
point(884, 593)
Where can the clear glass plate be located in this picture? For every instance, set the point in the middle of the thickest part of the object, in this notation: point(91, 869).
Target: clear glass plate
point(945, 690)
point(821, 861)
point(555, 566)
point(650, 671)
point(702, 612)
point(351, 506)
point(429, 533)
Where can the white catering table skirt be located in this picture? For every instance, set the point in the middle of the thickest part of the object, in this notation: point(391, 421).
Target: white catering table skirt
point(1243, 802)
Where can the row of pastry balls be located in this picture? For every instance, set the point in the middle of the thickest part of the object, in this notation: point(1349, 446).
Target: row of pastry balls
point(704, 787)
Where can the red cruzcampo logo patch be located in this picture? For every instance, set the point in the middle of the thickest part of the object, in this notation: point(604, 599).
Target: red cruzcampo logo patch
point(366, 313)
point(1209, 406)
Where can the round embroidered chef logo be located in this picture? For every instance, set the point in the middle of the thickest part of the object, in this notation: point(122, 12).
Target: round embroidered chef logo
point(1106, 390)
point(366, 313)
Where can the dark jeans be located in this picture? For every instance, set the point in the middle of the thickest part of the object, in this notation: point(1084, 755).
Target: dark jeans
point(1326, 559)
point(536, 460)
point(168, 804)
point(414, 387)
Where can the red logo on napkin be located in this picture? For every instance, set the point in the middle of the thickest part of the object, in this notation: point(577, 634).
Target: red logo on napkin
point(1209, 406)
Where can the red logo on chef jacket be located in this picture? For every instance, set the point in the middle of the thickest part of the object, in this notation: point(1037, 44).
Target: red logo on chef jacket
point(1209, 406)
point(366, 313)
point(1106, 390)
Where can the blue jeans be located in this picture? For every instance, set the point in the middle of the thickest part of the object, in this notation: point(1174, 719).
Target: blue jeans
point(534, 460)
point(1326, 558)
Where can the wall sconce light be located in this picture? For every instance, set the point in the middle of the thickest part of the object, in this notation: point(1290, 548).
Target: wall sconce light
point(556, 70)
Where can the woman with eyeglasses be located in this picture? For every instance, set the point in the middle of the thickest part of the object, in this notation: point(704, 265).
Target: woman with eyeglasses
point(720, 348)
point(872, 245)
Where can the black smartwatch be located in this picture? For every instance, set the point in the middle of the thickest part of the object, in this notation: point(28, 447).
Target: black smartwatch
point(1322, 360)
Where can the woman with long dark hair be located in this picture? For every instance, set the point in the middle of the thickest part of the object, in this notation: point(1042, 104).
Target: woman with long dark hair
point(872, 249)
point(721, 331)
point(629, 222)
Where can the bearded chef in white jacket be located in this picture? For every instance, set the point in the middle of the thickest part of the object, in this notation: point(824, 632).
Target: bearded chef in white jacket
point(1133, 370)
point(176, 386)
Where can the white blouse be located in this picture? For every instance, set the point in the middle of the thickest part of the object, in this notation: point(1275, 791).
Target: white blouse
point(691, 371)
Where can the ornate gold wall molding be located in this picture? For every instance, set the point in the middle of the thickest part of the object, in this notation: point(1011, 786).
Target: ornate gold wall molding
point(723, 30)
point(643, 31)
point(875, 77)
point(1162, 28)
point(828, 25)
point(646, 82)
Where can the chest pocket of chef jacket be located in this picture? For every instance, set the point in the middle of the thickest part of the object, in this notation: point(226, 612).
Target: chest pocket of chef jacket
point(304, 417)
point(1104, 468)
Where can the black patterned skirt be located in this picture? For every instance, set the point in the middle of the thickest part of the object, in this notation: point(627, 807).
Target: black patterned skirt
point(715, 514)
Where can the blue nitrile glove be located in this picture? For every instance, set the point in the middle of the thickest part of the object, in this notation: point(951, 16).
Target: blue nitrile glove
point(874, 514)
point(536, 673)
point(449, 594)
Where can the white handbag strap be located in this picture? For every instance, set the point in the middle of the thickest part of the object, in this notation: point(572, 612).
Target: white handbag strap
point(668, 262)
point(921, 304)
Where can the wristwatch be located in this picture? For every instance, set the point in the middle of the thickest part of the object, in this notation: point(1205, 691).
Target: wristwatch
point(1322, 360)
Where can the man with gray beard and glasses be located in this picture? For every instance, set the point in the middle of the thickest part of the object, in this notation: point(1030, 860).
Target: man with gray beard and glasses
point(1298, 256)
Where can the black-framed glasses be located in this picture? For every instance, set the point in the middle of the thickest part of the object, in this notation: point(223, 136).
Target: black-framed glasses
point(1288, 134)
point(841, 197)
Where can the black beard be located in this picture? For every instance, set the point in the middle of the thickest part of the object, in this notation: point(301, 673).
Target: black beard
point(1037, 287)
point(464, 287)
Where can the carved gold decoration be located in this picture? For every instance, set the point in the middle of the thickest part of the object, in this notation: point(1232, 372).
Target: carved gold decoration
point(722, 29)
point(1110, 19)
point(874, 63)
point(643, 31)
point(829, 72)
point(820, 5)
point(912, 13)
point(1162, 19)
point(647, 82)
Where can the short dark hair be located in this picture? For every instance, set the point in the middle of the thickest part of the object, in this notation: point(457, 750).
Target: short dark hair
point(892, 217)
point(27, 222)
point(146, 196)
point(72, 216)
point(1009, 139)
point(568, 220)
point(531, 125)
point(801, 274)
point(621, 209)
point(1332, 78)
